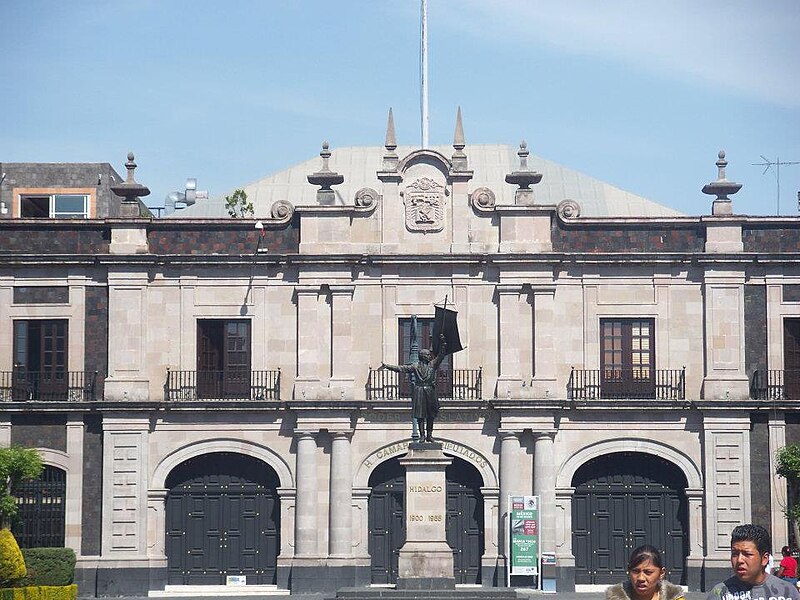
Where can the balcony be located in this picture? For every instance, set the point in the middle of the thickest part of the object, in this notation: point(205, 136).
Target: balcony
point(231, 384)
point(775, 384)
point(21, 385)
point(627, 384)
point(458, 384)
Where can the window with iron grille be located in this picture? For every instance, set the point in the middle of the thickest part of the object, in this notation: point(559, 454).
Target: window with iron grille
point(42, 504)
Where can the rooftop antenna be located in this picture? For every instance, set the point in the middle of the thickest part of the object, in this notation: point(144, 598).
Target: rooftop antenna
point(777, 162)
point(424, 72)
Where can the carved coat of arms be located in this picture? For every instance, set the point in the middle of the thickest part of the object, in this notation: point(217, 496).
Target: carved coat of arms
point(424, 200)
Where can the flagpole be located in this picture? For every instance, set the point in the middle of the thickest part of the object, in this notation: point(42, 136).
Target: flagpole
point(424, 72)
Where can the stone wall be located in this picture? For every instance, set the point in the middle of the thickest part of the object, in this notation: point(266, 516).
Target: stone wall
point(39, 430)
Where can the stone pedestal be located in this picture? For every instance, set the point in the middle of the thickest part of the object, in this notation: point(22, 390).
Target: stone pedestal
point(425, 561)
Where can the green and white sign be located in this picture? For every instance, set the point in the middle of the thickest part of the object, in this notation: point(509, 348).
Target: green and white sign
point(524, 534)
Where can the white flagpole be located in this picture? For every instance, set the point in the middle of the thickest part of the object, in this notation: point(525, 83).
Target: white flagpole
point(424, 73)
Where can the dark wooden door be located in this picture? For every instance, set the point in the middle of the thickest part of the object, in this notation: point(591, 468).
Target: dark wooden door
point(223, 358)
point(222, 518)
point(386, 517)
point(791, 358)
point(465, 520)
point(464, 525)
point(40, 358)
point(622, 501)
point(627, 360)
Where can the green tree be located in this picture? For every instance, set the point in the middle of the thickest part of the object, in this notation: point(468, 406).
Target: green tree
point(787, 461)
point(238, 206)
point(16, 464)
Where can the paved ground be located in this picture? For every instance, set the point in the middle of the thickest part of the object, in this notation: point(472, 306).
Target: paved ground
point(523, 594)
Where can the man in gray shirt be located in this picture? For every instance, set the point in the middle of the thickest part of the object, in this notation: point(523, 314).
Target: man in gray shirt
point(750, 549)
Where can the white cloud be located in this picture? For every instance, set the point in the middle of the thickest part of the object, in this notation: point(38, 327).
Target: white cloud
point(746, 47)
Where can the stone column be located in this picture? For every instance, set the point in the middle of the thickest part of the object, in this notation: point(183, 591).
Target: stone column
point(509, 380)
point(307, 381)
point(544, 328)
point(544, 486)
point(341, 338)
point(74, 500)
point(156, 523)
point(509, 455)
point(340, 524)
point(778, 499)
point(694, 562)
point(306, 507)
point(725, 375)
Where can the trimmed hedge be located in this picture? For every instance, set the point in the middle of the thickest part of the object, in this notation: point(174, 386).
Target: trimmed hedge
point(49, 566)
point(40, 592)
point(12, 565)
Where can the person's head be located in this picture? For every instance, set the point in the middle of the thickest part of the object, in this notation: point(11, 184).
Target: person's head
point(786, 551)
point(645, 571)
point(750, 548)
point(425, 355)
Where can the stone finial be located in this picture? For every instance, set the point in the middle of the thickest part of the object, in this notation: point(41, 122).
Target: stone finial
point(325, 178)
point(390, 157)
point(130, 191)
point(459, 158)
point(721, 188)
point(524, 177)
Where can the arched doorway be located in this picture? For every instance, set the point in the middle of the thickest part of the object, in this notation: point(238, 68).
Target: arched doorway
point(42, 509)
point(222, 518)
point(387, 528)
point(621, 501)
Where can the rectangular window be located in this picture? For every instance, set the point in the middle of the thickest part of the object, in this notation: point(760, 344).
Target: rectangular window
point(627, 361)
point(54, 206)
point(223, 358)
point(40, 359)
point(444, 382)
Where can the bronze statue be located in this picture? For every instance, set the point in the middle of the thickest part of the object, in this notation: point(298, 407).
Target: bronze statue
point(424, 401)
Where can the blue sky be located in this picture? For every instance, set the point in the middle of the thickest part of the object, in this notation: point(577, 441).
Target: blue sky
point(639, 94)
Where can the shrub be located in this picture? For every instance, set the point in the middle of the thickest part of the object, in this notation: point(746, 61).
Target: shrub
point(40, 592)
point(49, 566)
point(12, 565)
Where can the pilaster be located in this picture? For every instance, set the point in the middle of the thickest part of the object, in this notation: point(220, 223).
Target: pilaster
point(777, 485)
point(342, 379)
point(74, 499)
point(509, 380)
point(127, 318)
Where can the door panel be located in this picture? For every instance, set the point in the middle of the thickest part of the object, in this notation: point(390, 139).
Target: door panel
point(632, 499)
point(222, 519)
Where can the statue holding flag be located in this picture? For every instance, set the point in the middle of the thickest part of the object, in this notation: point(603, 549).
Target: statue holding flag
point(424, 399)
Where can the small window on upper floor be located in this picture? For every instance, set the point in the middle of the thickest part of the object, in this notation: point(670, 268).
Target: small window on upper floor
point(54, 206)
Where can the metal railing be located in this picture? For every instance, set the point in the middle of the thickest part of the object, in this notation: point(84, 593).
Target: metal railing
point(232, 384)
point(620, 384)
point(458, 384)
point(775, 384)
point(21, 385)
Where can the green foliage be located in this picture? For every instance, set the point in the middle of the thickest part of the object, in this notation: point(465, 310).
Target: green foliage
point(238, 206)
point(40, 592)
point(787, 460)
point(16, 464)
point(12, 565)
point(49, 566)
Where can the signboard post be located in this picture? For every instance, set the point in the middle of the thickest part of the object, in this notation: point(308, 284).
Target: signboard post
point(523, 536)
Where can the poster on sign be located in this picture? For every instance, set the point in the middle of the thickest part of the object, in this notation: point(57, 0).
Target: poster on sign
point(523, 526)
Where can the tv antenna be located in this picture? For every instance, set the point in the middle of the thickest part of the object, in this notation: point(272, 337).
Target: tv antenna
point(777, 162)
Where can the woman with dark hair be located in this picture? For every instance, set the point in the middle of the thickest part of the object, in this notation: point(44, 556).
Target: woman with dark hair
point(787, 570)
point(646, 579)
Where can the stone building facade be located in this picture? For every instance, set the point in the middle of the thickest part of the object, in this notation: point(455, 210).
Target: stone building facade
point(209, 387)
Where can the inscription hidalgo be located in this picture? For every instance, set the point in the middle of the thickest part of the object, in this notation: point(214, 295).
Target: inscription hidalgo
point(450, 447)
point(425, 487)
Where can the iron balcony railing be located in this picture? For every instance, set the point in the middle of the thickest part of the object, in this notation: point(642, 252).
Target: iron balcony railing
point(230, 384)
point(21, 385)
point(775, 384)
point(623, 384)
point(458, 384)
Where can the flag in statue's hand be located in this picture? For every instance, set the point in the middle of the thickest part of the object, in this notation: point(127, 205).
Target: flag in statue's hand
point(445, 322)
